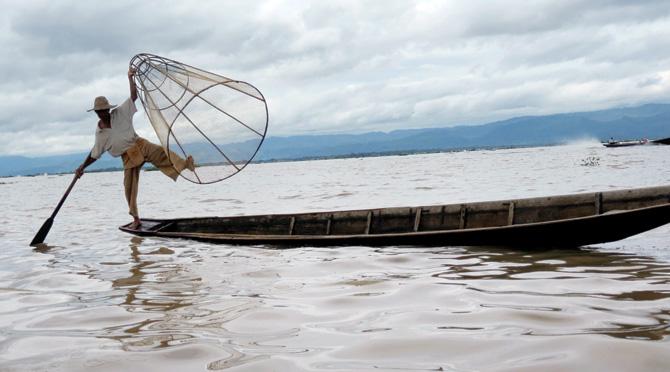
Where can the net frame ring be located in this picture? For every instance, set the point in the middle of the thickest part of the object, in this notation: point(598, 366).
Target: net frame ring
point(141, 65)
point(149, 62)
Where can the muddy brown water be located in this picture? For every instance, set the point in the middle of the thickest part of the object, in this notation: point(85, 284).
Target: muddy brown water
point(94, 298)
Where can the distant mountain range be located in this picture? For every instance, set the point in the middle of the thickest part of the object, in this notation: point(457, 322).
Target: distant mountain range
point(650, 121)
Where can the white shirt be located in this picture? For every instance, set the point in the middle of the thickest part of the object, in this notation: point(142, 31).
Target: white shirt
point(121, 136)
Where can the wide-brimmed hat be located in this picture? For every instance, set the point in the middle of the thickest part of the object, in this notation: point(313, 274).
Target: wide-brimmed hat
point(101, 103)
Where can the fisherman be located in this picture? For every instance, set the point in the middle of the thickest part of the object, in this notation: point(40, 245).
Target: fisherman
point(116, 135)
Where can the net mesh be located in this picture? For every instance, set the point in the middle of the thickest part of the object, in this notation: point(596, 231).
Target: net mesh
point(219, 121)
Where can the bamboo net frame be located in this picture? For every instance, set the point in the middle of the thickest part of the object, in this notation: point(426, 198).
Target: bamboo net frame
point(220, 121)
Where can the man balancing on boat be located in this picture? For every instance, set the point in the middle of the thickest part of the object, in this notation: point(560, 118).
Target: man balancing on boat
point(115, 134)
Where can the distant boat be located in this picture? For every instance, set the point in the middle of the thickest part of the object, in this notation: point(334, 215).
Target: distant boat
point(564, 221)
point(612, 143)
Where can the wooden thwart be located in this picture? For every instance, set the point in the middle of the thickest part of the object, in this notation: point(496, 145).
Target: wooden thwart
point(463, 217)
point(510, 214)
point(599, 203)
point(291, 226)
point(330, 221)
point(417, 219)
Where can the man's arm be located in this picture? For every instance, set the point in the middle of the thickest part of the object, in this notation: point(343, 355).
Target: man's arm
point(131, 81)
point(80, 171)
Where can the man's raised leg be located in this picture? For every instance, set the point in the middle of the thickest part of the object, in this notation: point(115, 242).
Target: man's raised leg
point(156, 155)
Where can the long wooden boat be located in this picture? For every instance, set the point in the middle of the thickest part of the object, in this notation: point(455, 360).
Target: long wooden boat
point(565, 221)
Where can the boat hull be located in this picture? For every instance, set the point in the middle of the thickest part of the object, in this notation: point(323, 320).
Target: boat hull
point(649, 208)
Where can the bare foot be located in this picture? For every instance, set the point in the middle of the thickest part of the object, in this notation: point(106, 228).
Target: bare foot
point(135, 225)
point(190, 163)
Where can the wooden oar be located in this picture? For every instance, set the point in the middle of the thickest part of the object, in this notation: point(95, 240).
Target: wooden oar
point(44, 230)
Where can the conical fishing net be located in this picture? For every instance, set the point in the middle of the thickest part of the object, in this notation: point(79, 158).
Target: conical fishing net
point(219, 121)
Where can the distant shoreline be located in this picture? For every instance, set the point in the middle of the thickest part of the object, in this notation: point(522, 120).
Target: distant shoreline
point(312, 158)
point(645, 121)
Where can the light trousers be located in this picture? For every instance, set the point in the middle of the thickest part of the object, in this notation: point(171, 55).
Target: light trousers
point(133, 159)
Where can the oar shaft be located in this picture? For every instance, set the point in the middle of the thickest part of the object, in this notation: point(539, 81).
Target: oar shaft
point(62, 200)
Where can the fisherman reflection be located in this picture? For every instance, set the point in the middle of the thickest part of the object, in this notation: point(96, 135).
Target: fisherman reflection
point(136, 272)
point(154, 287)
point(150, 285)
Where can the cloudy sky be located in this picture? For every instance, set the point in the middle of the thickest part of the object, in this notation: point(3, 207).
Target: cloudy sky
point(333, 66)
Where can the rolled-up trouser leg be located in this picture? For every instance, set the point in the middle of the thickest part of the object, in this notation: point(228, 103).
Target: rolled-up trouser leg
point(156, 156)
point(131, 182)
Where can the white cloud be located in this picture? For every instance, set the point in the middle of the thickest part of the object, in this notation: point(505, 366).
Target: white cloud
point(334, 66)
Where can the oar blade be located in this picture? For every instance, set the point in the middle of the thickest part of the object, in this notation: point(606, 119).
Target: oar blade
point(42, 234)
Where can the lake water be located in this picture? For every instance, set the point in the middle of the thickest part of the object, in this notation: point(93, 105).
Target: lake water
point(95, 298)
